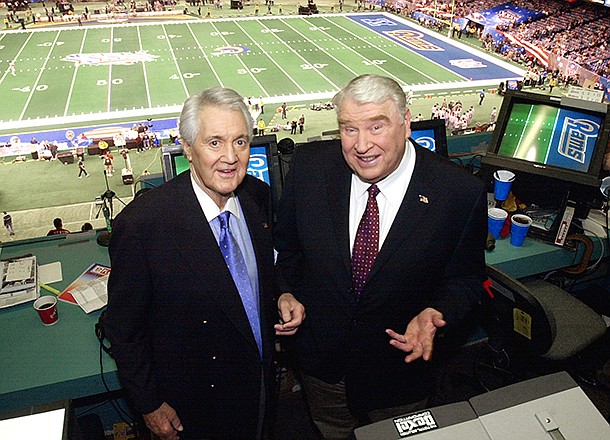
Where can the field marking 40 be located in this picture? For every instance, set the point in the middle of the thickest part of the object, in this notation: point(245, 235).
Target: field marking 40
point(28, 89)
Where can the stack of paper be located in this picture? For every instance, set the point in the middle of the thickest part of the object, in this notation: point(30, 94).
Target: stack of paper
point(19, 281)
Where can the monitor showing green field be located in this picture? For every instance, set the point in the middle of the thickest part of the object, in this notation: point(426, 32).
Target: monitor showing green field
point(549, 135)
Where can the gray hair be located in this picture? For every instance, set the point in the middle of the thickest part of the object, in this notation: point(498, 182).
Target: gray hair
point(215, 96)
point(375, 89)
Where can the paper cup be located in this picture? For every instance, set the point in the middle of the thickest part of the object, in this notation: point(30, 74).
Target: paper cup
point(46, 306)
point(503, 180)
point(519, 225)
point(495, 221)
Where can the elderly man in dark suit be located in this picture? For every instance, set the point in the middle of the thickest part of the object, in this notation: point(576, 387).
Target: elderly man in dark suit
point(192, 297)
point(382, 241)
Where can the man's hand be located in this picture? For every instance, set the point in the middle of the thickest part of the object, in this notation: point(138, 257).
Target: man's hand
point(292, 314)
point(164, 422)
point(418, 340)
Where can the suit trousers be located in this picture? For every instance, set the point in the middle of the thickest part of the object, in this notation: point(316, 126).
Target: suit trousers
point(331, 415)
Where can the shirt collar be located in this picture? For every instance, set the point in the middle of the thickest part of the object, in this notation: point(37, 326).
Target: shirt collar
point(395, 183)
point(209, 207)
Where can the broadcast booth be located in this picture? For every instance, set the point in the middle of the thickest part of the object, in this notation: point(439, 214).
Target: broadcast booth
point(555, 146)
point(271, 165)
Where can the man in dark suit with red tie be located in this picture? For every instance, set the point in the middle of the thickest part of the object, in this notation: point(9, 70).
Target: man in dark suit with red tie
point(382, 241)
point(192, 300)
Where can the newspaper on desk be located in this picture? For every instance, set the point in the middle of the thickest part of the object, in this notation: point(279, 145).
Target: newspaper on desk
point(92, 295)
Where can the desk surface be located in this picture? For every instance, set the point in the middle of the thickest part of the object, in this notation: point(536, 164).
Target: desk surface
point(534, 257)
point(42, 364)
point(39, 363)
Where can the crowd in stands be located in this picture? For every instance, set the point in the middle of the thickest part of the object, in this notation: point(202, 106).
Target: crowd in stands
point(576, 31)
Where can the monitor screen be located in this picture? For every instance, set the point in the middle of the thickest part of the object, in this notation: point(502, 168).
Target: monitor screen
point(431, 134)
point(44, 422)
point(264, 162)
point(561, 138)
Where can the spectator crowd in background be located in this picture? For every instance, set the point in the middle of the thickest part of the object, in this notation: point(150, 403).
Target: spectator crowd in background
point(575, 31)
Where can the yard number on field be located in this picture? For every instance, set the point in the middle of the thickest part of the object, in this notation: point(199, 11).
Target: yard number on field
point(28, 89)
point(252, 70)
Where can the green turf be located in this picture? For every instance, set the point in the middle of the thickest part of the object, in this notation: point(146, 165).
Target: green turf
point(285, 59)
point(38, 183)
point(314, 55)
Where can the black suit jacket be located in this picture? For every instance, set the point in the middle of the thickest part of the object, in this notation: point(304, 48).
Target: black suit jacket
point(178, 329)
point(433, 256)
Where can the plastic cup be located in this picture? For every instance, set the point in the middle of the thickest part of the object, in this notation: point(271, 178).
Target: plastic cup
point(519, 225)
point(495, 221)
point(46, 306)
point(503, 180)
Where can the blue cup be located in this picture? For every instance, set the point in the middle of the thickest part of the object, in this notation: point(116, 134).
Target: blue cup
point(519, 225)
point(503, 180)
point(495, 221)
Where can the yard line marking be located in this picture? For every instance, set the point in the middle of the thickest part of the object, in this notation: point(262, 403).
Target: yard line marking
point(171, 49)
point(307, 61)
point(17, 56)
point(205, 56)
point(38, 77)
point(272, 60)
point(409, 66)
point(144, 69)
point(354, 51)
point(76, 66)
point(242, 63)
point(109, 94)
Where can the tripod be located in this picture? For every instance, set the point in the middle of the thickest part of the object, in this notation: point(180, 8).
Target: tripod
point(106, 208)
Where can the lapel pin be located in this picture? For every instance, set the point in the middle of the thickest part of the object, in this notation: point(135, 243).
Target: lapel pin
point(423, 199)
point(265, 226)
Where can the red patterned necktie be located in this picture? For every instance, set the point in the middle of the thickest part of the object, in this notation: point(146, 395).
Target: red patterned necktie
point(366, 245)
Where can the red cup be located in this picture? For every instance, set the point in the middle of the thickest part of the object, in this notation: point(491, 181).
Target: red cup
point(46, 306)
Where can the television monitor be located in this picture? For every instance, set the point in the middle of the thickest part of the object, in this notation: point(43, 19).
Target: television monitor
point(264, 163)
point(556, 137)
point(52, 421)
point(431, 134)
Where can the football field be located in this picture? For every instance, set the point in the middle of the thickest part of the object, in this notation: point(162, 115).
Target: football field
point(95, 73)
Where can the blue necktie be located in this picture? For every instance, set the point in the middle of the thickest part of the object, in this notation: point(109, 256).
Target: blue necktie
point(239, 271)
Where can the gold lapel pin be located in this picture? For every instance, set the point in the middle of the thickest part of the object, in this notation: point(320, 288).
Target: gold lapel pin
point(423, 199)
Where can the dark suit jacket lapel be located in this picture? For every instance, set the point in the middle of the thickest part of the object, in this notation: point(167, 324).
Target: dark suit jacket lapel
point(205, 258)
point(338, 183)
point(407, 225)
